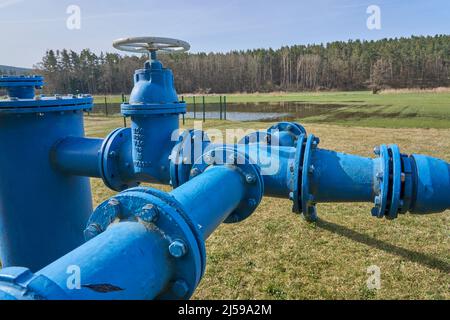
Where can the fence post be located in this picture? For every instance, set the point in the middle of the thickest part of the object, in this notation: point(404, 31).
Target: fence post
point(183, 115)
point(106, 107)
point(195, 109)
point(225, 107)
point(124, 117)
point(221, 108)
point(204, 109)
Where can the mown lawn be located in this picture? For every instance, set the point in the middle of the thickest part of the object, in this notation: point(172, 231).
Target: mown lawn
point(276, 255)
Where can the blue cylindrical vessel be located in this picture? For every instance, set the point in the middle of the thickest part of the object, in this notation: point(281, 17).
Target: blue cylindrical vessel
point(42, 210)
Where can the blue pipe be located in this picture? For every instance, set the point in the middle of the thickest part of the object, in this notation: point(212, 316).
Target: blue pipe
point(78, 156)
point(340, 177)
point(125, 262)
point(276, 164)
point(153, 252)
point(431, 185)
point(201, 196)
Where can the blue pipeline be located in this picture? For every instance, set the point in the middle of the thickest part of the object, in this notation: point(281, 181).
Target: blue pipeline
point(159, 241)
point(394, 182)
point(291, 164)
point(159, 237)
point(151, 151)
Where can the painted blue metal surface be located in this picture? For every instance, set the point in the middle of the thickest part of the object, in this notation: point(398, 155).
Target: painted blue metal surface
point(78, 156)
point(158, 238)
point(154, 110)
point(432, 185)
point(156, 251)
point(21, 87)
point(41, 209)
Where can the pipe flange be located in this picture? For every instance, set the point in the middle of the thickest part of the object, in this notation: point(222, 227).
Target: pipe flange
point(395, 182)
point(383, 178)
point(298, 172)
point(388, 201)
point(155, 109)
point(250, 172)
point(189, 148)
point(309, 210)
point(161, 213)
point(110, 160)
point(293, 129)
point(34, 81)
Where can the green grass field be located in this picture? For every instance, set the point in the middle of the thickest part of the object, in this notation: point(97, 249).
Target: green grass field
point(361, 108)
point(276, 255)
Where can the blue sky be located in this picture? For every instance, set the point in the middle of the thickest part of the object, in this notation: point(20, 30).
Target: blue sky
point(29, 27)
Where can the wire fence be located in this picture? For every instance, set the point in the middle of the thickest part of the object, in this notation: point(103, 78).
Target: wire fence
point(199, 107)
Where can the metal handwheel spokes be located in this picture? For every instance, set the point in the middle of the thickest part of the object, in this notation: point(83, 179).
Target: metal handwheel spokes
point(151, 44)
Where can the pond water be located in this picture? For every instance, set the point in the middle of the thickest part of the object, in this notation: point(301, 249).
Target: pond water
point(247, 111)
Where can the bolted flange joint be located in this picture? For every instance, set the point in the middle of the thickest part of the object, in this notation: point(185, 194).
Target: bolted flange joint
point(302, 196)
point(115, 160)
point(162, 214)
point(251, 176)
point(391, 198)
point(191, 145)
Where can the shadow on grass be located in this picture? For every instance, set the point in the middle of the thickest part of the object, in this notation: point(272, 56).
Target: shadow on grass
point(410, 255)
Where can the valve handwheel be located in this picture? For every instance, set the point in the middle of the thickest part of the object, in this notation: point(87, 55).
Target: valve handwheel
point(151, 44)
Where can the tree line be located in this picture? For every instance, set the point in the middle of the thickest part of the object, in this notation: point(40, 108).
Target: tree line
point(388, 63)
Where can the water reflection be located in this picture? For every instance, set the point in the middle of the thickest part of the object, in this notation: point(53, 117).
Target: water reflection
point(246, 111)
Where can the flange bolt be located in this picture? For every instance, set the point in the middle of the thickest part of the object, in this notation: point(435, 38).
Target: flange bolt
point(92, 231)
point(149, 213)
point(376, 150)
point(180, 288)
point(177, 249)
point(195, 172)
point(250, 178)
